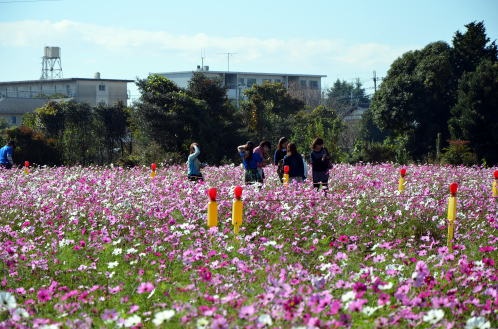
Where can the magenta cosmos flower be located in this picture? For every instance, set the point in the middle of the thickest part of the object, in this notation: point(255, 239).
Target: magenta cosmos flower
point(145, 287)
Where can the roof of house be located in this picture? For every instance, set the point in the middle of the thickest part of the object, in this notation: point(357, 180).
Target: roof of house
point(61, 80)
point(245, 73)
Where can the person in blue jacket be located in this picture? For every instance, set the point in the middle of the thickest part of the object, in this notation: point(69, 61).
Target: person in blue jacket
point(7, 155)
point(251, 162)
point(194, 165)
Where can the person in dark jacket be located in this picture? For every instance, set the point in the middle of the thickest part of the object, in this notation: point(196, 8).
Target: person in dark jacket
point(279, 155)
point(320, 164)
point(295, 162)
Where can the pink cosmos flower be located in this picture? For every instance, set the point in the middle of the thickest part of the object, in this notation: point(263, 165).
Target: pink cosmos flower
point(357, 305)
point(145, 287)
point(487, 249)
point(246, 311)
point(205, 274)
point(44, 295)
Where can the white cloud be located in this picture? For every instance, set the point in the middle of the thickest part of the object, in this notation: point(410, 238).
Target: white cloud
point(155, 51)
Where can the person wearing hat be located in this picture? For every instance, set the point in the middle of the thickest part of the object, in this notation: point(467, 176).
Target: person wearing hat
point(251, 161)
point(7, 154)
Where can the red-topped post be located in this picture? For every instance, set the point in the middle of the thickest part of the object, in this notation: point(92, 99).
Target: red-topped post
point(495, 184)
point(452, 206)
point(212, 211)
point(286, 175)
point(153, 168)
point(237, 209)
point(401, 181)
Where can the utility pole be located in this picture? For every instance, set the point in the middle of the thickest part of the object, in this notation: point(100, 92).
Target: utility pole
point(228, 59)
point(375, 81)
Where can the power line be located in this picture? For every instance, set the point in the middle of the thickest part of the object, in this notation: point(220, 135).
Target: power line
point(21, 1)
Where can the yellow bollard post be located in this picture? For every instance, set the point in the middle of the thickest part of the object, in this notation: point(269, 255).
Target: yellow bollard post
point(26, 167)
point(401, 181)
point(495, 184)
point(237, 209)
point(212, 211)
point(286, 175)
point(153, 168)
point(452, 206)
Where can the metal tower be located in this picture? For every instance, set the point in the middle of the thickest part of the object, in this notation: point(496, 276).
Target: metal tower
point(51, 64)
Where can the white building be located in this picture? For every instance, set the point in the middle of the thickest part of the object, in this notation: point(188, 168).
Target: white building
point(306, 87)
point(19, 97)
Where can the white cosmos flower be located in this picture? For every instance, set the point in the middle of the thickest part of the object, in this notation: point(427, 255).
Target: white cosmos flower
point(265, 319)
point(132, 321)
point(434, 316)
point(117, 251)
point(350, 295)
point(112, 265)
point(162, 316)
point(202, 323)
point(386, 286)
point(369, 310)
point(131, 251)
point(7, 301)
point(478, 322)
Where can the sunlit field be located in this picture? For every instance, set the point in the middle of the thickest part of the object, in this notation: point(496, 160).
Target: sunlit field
point(114, 248)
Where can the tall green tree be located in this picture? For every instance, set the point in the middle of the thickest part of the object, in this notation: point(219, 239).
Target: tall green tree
point(471, 48)
point(78, 138)
point(174, 118)
point(268, 110)
point(475, 116)
point(415, 98)
point(111, 125)
point(321, 122)
point(160, 111)
point(221, 119)
point(345, 97)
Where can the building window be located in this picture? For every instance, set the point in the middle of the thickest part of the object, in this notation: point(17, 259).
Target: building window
point(303, 83)
point(242, 81)
point(313, 84)
point(250, 82)
point(101, 87)
point(278, 80)
point(13, 120)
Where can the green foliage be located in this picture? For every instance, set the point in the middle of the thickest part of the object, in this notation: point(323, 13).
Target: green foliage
point(440, 89)
point(111, 126)
point(268, 111)
point(345, 97)
point(472, 47)
point(416, 96)
point(174, 118)
point(322, 122)
point(475, 116)
point(33, 147)
point(373, 152)
point(459, 153)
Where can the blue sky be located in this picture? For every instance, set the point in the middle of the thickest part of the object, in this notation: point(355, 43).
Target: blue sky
point(129, 39)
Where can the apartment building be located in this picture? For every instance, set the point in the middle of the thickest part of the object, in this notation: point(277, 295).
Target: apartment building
point(306, 87)
point(19, 97)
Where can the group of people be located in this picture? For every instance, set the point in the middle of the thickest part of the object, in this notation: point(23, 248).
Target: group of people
point(255, 158)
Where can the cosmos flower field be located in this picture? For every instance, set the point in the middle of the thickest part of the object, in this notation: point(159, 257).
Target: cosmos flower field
point(107, 247)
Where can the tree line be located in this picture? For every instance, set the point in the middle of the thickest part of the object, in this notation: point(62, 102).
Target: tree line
point(437, 104)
